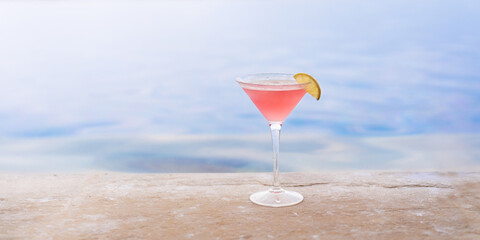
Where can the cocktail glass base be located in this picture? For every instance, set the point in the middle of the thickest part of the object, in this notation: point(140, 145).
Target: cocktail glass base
point(276, 197)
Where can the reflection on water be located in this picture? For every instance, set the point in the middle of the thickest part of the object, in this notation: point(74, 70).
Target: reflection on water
point(83, 83)
point(241, 153)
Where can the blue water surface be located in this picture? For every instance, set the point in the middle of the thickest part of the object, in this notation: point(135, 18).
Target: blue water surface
point(148, 86)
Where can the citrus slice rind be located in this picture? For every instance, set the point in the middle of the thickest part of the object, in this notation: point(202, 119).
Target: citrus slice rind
point(312, 87)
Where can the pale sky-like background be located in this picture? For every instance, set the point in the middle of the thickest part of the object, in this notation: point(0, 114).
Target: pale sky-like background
point(148, 86)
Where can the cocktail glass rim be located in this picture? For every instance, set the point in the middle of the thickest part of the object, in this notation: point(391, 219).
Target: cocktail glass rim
point(249, 78)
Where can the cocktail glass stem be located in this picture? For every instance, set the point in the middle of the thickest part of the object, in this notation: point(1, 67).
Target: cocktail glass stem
point(275, 128)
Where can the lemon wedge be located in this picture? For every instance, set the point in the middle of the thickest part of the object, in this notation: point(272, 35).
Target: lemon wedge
point(312, 88)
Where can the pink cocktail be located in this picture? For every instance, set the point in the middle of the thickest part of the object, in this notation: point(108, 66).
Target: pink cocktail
point(275, 102)
point(275, 95)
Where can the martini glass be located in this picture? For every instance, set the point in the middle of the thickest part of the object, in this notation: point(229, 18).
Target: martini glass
point(275, 95)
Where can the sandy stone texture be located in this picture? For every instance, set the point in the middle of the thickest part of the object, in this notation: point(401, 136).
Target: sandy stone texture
point(348, 205)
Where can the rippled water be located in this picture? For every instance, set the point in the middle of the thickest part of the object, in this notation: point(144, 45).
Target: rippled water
point(149, 86)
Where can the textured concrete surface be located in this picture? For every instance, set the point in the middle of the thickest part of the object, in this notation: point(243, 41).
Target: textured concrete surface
point(352, 205)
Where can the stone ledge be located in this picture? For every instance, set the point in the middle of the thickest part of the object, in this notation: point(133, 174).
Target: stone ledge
point(350, 205)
